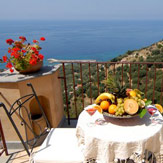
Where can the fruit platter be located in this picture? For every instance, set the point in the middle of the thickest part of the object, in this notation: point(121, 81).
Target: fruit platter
point(110, 105)
point(123, 102)
point(131, 106)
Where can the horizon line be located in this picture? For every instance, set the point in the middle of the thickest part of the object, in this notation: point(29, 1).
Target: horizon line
point(146, 19)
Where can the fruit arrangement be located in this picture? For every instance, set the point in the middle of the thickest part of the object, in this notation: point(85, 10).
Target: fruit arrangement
point(120, 106)
point(130, 105)
point(123, 101)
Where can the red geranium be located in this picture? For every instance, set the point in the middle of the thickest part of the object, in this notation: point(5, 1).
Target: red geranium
point(23, 51)
point(15, 49)
point(22, 55)
point(11, 70)
point(22, 38)
point(4, 58)
point(12, 53)
point(42, 38)
point(33, 61)
point(16, 55)
point(41, 56)
point(35, 41)
point(9, 41)
point(9, 65)
point(9, 51)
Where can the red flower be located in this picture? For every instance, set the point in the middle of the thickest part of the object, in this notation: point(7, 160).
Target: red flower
point(4, 58)
point(33, 61)
point(36, 52)
point(35, 41)
point(9, 65)
point(15, 49)
point(16, 55)
point(13, 53)
point(41, 56)
point(9, 41)
point(34, 56)
point(9, 51)
point(42, 38)
point(33, 48)
point(11, 70)
point(23, 51)
point(22, 38)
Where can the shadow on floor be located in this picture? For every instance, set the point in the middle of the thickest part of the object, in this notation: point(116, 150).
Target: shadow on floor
point(20, 155)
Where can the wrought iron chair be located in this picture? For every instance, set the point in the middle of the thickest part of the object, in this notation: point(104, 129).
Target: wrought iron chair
point(4, 146)
point(32, 136)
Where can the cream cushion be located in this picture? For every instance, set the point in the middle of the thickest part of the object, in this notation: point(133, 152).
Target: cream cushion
point(60, 146)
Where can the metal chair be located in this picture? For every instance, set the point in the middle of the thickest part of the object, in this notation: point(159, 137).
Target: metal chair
point(4, 146)
point(23, 113)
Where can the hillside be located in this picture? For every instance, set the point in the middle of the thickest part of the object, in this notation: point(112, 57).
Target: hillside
point(152, 53)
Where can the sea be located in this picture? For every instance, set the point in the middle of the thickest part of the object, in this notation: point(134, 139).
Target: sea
point(100, 40)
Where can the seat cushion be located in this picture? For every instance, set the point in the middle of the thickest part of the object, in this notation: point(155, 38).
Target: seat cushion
point(60, 146)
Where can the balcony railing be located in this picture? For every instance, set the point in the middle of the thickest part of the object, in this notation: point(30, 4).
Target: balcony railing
point(83, 81)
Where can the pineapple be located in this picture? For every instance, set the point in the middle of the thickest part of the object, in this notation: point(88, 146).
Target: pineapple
point(114, 86)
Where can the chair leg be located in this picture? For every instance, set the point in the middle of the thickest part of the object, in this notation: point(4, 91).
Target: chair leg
point(3, 141)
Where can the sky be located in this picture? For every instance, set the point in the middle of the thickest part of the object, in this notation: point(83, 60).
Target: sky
point(81, 9)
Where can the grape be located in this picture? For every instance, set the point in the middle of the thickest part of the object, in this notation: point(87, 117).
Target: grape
point(119, 100)
point(139, 96)
point(120, 109)
point(136, 98)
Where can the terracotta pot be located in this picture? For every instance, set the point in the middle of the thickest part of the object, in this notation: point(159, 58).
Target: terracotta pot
point(31, 68)
point(38, 123)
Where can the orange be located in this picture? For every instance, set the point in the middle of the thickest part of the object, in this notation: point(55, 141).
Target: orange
point(105, 105)
point(98, 108)
point(112, 109)
point(159, 107)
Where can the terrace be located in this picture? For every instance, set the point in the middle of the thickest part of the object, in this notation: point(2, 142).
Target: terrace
point(72, 86)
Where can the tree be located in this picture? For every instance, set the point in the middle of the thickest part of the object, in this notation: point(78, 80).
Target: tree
point(155, 52)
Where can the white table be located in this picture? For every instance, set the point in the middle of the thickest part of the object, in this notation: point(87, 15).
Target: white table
point(119, 138)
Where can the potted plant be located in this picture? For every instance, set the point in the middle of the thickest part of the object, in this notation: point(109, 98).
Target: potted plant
point(24, 57)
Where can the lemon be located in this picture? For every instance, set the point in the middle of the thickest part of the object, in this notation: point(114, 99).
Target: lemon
point(159, 107)
point(132, 93)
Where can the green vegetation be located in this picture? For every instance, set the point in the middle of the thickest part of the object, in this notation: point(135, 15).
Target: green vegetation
point(130, 75)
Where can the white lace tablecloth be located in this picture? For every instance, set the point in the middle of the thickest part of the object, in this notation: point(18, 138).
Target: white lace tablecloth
point(119, 138)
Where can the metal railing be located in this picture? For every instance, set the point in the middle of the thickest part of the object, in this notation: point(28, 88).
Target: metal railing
point(81, 78)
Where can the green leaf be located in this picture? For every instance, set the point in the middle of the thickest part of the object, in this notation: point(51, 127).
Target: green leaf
point(148, 102)
point(142, 113)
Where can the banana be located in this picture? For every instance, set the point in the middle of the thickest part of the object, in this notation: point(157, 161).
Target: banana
point(105, 96)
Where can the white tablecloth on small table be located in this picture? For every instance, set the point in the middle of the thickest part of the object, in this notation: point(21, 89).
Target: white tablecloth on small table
point(119, 138)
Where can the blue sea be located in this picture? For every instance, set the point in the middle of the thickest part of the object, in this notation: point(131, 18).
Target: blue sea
point(97, 40)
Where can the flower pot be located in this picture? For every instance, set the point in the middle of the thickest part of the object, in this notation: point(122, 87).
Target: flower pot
point(38, 124)
point(31, 68)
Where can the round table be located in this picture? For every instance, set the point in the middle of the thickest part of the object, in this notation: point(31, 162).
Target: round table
point(119, 138)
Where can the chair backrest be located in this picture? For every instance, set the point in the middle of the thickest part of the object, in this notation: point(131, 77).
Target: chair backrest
point(36, 126)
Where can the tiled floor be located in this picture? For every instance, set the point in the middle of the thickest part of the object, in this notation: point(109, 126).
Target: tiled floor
point(20, 156)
